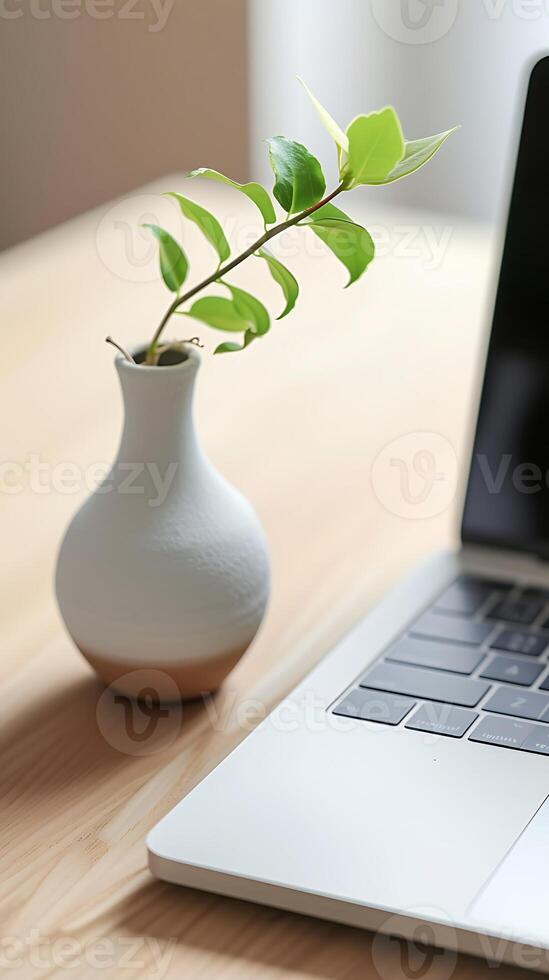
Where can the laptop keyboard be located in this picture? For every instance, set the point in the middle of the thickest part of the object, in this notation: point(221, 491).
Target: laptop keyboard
point(475, 664)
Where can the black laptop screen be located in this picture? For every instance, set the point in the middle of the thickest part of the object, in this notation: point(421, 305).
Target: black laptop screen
point(507, 502)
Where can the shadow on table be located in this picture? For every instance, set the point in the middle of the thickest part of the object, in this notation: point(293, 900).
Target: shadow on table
point(82, 734)
point(65, 745)
point(209, 934)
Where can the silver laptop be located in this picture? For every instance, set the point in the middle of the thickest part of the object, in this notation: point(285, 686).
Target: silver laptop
point(405, 782)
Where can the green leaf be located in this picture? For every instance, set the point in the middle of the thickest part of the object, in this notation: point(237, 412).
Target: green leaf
point(229, 348)
point(243, 313)
point(208, 224)
point(255, 192)
point(326, 211)
point(335, 131)
point(349, 242)
point(251, 309)
point(416, 154)
point(173, 261)
point(376, 145)
point(299, 181)
point(218, 312)
point(284, 278)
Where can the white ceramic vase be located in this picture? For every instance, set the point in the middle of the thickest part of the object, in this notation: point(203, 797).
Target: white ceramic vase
point(165, 567)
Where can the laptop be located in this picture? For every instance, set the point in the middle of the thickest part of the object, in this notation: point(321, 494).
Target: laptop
point(404, 783)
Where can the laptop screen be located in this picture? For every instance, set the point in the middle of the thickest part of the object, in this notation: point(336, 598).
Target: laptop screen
point(507, 502)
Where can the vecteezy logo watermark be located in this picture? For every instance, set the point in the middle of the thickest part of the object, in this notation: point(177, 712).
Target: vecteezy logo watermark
point(521, 9)
point(146, 956)
point(129, 251)
point(415, 21)
point(125, 246)
point(424, 21)
point(147, 480)
point(415, 476)
point(504, 474)
point(147, 722)
point(427, 244)
point(428, 951)
point(154, 12)
point(421, 956)
point(149, 718)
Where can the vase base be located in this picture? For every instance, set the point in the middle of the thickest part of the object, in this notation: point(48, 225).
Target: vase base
point(168, 681)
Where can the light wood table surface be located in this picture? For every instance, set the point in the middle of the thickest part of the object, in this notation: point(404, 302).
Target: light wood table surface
point(296, 422)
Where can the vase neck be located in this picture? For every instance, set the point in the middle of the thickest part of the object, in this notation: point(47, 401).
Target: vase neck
point(158, 411)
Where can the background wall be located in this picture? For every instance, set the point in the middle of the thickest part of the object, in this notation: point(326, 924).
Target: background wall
point(90, 108)
point(98, 96)
point(440, 63)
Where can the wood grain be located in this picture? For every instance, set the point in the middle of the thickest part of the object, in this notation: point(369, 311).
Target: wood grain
point(296, 422)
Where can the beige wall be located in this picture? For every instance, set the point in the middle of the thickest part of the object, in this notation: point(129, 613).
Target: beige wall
point(91, 108)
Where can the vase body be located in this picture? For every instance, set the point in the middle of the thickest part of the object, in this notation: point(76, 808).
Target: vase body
point(165, 567)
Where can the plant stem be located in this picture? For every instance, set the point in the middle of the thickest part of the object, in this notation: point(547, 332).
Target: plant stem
point(122, 350)
point(222, 271)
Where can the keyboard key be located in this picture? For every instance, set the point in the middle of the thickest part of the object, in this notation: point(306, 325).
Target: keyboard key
point(494, 584)
point(442, 719)
point(520, 704)
point(537, 741)
point(506, 732)
point(374, 706)
point(464, 597)
point(517, 641)
point(536, 592)
point(521, 672)
point(517, 610)
point(545, 685)
point(433, 685)
point(451, 628)
point(439, 656)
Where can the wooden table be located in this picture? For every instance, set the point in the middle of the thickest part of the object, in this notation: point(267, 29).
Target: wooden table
point(297, 423)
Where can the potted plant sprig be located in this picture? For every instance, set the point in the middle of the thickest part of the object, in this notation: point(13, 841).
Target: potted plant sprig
point(178, 582)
